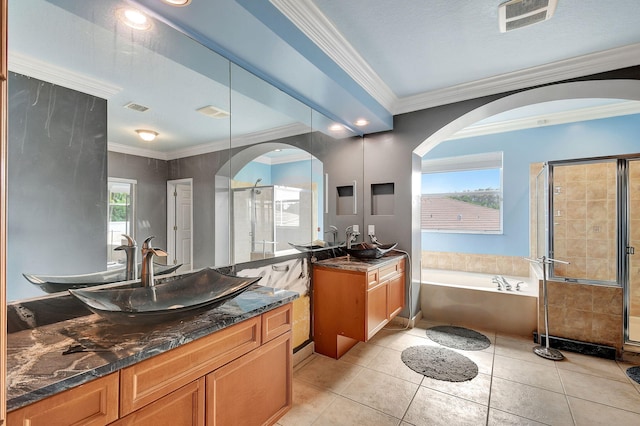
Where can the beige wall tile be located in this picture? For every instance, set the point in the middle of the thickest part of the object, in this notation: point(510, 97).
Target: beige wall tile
point(607, 300)
point(607, 330)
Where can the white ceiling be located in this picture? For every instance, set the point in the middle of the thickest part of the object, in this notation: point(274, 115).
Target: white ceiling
point(351, 59)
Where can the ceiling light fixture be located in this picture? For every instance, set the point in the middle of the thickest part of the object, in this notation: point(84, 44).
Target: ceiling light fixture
point(361, 122)
point(336, 127)
point(177, 3)
point(147, 135)
point(134, 18)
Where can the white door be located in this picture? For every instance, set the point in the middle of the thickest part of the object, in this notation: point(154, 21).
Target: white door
point(179, 223)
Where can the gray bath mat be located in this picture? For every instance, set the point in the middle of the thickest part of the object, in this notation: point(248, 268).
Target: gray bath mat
point(439, 363)
point(458, 338)
point(634, 373)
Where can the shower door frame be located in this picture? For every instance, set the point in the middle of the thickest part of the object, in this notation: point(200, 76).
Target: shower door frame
point(624, 250)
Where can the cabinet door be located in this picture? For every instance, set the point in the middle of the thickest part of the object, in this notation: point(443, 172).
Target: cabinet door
point(184, 407)
point(376, 309)
point(396, 295)
point(93, 403)
point(255, 388)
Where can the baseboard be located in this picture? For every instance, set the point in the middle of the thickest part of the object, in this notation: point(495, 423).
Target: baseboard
point(585, 348)
point(303, 353)
point(402, 321)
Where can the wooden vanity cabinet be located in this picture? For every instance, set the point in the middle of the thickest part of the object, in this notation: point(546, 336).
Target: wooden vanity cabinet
point(241, 374)
point(351, 306)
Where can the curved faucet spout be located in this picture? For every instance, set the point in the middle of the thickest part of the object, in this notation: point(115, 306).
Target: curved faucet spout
point(146, 275)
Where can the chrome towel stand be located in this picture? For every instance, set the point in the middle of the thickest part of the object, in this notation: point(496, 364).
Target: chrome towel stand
point(546, 351)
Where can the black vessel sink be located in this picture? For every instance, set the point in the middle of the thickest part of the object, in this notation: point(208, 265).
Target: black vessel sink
point(170, 299)
point(58, 283)
point(316, 245)
point(370, 250)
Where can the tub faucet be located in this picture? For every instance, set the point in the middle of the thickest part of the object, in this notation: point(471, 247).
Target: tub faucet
point(503, 284)
point(351, 236)
point(129, 249)
point(146, 275)
point(333, 232)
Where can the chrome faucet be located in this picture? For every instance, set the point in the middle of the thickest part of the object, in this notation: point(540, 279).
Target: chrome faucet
point(130, 252)
point(146, 276)
point(334, 232)
point(351, 236)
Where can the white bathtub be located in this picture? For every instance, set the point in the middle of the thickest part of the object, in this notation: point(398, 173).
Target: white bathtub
point(473, 300)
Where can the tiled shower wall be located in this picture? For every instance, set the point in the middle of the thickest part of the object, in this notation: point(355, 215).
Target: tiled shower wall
point(584, 220)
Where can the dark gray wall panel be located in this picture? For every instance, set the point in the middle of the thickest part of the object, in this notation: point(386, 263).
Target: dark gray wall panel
point(57, 172)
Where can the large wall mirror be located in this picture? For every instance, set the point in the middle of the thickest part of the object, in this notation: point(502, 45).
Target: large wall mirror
point(237, 171)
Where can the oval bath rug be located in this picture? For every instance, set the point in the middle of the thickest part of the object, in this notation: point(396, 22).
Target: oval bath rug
point(458, 338)
point(439, 363)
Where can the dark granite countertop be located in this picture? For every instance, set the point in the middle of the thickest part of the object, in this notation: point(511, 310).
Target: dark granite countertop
point(37, 368)
point(351, 263)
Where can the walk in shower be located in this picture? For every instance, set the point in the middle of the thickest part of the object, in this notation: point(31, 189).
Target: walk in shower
point(588, 213)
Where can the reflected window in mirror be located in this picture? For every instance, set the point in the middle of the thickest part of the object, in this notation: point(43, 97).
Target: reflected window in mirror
point(120, 217)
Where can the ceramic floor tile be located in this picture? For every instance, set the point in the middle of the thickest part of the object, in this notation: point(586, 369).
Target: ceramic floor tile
point(594, 366)
point(399, 340)
point(530, 402)
point(518, 348)
point(500, 418)
point(389, 361)
point(433, 408)
point(587, 413)
point(483, 359)
point(381, 392)
point(476, 390)
point(528, 373)
point(327, 373)
point(308, 403)
point(362, 354)
point(604, 391)
point(344, 412)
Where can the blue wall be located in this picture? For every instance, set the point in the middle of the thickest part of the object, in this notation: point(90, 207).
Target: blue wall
point(594, 138)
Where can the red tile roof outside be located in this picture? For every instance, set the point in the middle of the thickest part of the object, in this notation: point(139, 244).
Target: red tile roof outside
point(441, 212)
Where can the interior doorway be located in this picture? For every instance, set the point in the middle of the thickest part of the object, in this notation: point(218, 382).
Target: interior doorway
point(180, 223)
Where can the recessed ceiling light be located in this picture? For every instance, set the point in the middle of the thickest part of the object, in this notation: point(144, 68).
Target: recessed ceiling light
point(134, 18)
point(177, 3)
point(361, 122)
point(147, 135)
point(336, 127)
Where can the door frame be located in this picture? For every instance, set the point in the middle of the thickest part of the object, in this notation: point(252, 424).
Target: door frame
point(171, 216)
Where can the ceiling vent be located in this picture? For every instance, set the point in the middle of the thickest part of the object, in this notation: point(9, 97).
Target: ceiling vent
point(136, 107)
point(516, 14)
point(213, 112)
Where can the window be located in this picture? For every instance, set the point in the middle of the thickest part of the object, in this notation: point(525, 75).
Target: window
point(120, 216)
point(462, 194)
point(287, 202)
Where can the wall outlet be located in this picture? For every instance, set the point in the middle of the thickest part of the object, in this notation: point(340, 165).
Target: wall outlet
point(371, 230)
point(356, 228)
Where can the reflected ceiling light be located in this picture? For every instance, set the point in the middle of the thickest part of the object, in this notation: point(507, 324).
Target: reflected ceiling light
point(146, 135)
point(361, 122)
point(134, 18)
point(177, 3)
point(336, 127)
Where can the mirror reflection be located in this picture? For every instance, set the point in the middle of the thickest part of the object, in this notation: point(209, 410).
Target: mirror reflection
point(81, 174)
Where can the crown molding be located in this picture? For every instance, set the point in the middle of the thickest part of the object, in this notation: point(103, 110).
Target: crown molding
point(36, 68)
point(309, 19)
point(542, 120)
point(220, 145)
point(543, 74)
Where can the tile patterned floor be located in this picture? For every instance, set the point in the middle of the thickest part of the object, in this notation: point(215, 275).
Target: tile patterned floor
point(371, 386)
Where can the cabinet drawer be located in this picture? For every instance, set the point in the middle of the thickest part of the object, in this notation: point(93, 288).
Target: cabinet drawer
point(372, 278)
point(276, 322)
point(93, 403)
point(160, 375)
point(389, 271)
